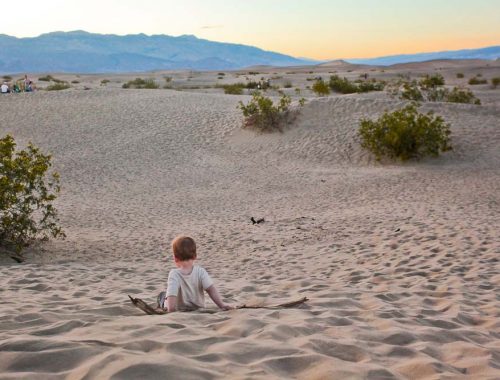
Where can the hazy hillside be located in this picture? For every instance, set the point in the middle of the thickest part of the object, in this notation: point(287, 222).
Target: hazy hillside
point(80, 51)
point(490, 53)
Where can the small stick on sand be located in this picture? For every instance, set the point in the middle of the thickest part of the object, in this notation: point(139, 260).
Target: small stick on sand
point(146, 308)
point(281, 305)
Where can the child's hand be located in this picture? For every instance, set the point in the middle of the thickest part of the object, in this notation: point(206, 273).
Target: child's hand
point(227, 307)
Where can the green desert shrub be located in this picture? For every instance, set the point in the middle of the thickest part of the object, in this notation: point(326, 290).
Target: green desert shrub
point(7, 78)
point(495, 82)
point(342, 85)
point(431, 92)
point(75, 81)
point(104, 81)
point(50, 78)
point(265, 116)
point(475, 81)
point(460, 75)
point(46, 78)
point(345, 86)
point(411, 91)
point(437, 94)
point(462, 95)
point(58, 86)
point(370, 85)
point(139, 83)
point(252, 85)
point(234, 89)
point(405, 134)
point(27, 193)
point(261, 85)
point(432, 81)
point(320, 88)
point(287, 84)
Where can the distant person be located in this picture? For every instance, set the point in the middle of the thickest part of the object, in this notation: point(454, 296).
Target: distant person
point(4, 89)
point(26, 82)
point(15, 88)
point(187, 284)
point(29, 87)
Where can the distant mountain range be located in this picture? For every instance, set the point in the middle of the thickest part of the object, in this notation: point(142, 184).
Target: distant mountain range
point(85, 52)
point(488, 53)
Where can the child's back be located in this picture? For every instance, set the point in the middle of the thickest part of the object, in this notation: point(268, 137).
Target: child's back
point(189, 288)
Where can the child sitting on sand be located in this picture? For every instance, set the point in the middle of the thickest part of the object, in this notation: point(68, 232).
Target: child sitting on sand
point(186, 283)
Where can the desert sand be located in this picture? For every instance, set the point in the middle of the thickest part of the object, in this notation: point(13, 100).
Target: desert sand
point(400, 261)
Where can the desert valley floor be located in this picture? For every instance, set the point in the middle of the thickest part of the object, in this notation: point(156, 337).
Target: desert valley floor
point(400, 261)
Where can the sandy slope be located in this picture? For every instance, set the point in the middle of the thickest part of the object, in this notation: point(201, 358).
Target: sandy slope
point(401, 262)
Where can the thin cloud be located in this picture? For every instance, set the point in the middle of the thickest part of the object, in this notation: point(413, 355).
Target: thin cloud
point(212, 26)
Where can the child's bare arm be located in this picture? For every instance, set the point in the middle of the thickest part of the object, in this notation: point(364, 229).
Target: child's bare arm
point(171, 304)
point(214, 295)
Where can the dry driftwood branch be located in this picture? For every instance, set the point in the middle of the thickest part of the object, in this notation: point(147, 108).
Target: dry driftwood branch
point(146, 308)
point(158, 311)
point(281, 305)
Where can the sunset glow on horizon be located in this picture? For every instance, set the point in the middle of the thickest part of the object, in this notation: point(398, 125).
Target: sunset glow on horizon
point(318, 29)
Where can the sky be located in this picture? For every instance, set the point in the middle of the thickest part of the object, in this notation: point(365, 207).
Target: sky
point(318, 29)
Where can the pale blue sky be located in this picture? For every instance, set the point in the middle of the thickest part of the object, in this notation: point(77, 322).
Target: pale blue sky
point(319, 29)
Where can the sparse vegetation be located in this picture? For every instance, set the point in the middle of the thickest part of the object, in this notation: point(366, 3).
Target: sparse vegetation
point(261, 85)
point(287, 84)
point(75, 81)
point(437, 94)
point(462, 95)
point(495, 82)
point(234, 89)
point(429, 90)
point(460, 75)
point(475, 81)
point(405, 134)
point(370, 85)
point(320, 88)
point(265, 116)
point(50, 78)
point(46, 78)
point(342, 85)
point(7, 78)
point(411, 91)
point(58, 86)
point(27, 192)
point(139, 83)
point(432, 81)
point(104, 82)
point(345, 86)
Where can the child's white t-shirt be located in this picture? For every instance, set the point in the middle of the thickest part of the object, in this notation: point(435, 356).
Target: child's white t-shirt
point(189, 288)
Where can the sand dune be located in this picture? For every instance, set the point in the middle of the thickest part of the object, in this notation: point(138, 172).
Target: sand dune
point(400, 261)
